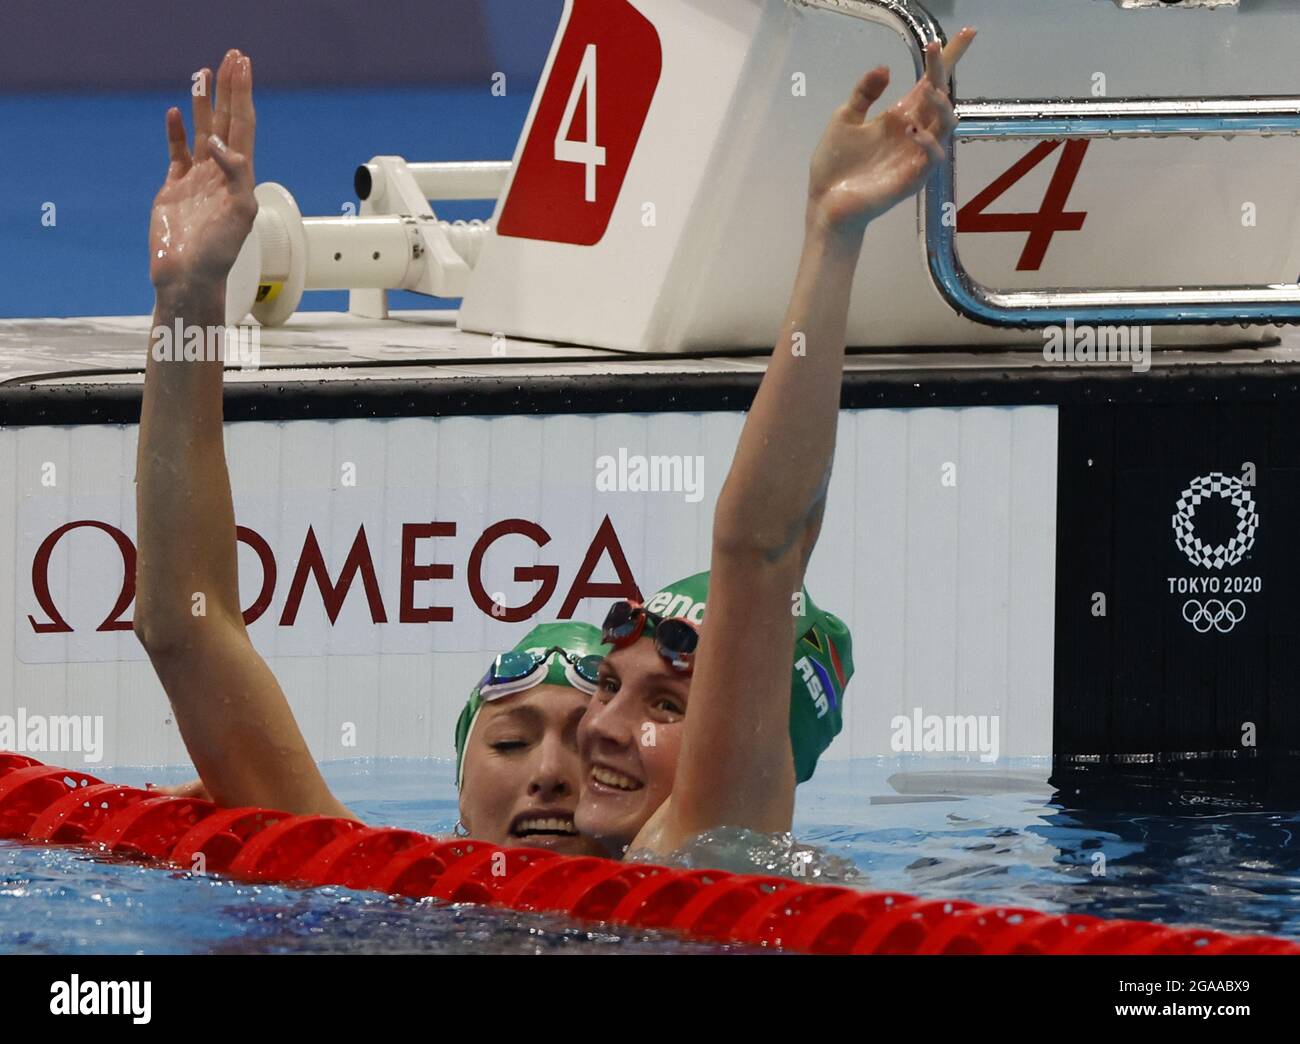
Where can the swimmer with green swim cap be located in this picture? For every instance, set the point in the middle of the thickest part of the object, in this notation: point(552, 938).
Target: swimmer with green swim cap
point(646, 688)
point(517, 759)
point(655, 773)
point(517, 737)
point(517, 765)
point(823, 665)
point(518, 772)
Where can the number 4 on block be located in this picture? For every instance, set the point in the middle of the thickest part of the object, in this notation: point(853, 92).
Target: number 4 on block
point(586, 127)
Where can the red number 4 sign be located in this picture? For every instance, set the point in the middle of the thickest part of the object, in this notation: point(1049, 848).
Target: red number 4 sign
point(1052, 218)
point(587, 125)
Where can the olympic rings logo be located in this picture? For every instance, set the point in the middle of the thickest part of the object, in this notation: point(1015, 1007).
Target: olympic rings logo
point(1198, 552)
point(1214, 614)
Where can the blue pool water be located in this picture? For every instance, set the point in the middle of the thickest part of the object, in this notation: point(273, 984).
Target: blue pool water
point(881, 825)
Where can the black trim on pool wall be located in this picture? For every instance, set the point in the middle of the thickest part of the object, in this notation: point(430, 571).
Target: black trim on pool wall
point(48, 403)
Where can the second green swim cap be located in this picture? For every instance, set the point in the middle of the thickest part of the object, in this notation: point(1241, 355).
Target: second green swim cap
point(579, 639)
point(823, 665)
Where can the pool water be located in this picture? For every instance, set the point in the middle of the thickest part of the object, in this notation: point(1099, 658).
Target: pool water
point(922, 828)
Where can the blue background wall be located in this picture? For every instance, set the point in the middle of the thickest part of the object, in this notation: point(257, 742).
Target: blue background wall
point(133, 44)
point(84, 87)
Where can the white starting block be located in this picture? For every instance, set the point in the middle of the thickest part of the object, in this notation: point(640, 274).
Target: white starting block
point(655, 199)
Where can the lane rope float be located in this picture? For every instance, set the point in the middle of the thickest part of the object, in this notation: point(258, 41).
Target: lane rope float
point(50, 805)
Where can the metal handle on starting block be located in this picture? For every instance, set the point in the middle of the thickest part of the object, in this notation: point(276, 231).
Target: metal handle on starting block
point(1079, 118)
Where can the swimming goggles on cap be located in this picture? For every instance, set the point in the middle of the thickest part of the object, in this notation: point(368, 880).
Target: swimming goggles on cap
point(675, 637)
point(521, 669)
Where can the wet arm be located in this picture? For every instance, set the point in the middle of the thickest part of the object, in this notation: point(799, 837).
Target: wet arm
point(736, 766)
point(232, 714)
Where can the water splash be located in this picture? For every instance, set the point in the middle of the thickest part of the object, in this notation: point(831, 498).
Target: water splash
point(742, 851)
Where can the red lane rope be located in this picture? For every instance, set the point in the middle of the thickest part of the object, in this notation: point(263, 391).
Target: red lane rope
point(39, 803)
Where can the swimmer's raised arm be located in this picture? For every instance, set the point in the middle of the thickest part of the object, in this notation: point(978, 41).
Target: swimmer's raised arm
point(736, 766)
point(232, 714)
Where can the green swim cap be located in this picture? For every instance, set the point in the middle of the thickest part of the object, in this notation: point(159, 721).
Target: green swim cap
point(580, 639)
point(823, 665)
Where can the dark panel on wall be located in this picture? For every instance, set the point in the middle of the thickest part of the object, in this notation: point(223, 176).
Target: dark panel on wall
point(1183, 517)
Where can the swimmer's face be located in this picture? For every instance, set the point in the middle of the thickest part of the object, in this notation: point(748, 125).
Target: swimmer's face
point(522, 772)
point(630, 738)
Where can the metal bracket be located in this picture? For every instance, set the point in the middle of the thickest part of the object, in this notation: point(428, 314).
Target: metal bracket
point(388, 185)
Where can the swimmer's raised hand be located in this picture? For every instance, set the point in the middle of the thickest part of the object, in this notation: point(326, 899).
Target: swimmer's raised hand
point(237, 725)
point(205, 209)
point(863, 167)
point(769, 511)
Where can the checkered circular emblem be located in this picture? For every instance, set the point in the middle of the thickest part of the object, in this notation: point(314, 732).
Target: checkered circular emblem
point(1198, 552)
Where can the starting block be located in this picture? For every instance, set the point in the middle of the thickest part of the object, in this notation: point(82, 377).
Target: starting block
point(659, 184)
